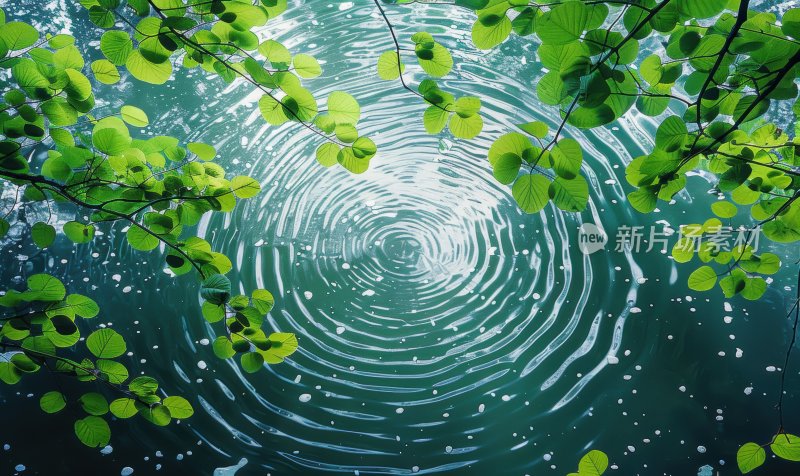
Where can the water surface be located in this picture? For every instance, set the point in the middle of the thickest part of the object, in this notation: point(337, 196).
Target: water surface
point(441, 330)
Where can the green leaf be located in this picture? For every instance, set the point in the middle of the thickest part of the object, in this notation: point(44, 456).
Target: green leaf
point(105, 344)
point(244, 186)
point(43, 234)
point(134, 116)
point(201, 150)
point(724, 209)
point(17, 35)
point(466, 127)
point(491, 32)
point(43, 287)
point(701, 9)
point(672, 134)
point(223, 348)
point(78, 232)
point(252, 362)
point(158, 415)
point(143, 386)
point(140, 239)
point(114, 371)
point(343, 108)
point(94, 404)
point(116, 46)
point(93, 431)
point(531, 192)
point(263, 300)
point(9, 373)
point(105, 71)
point(786, 446)
point(436, 61)
point(594, 463)
point(567, 158)
point(506, 168)
point(178, 407)
point(702, 279)
point(570, 195)
point(790, 23)
point(272, 110)
point(389, 67)
point(216, 289)
point(144, 70)
point(306, 66)
point(536, 128)
point(52, 402)
point(123, 408)
point(750, 456)
point(435, 119)
point(327, 154)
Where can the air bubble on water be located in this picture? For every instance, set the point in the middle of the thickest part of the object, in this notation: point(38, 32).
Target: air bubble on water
point(202, 365)
point(368, 292)
point(126, 471)
point(308, 294)
point(399, 410)
point(106, 450)
point(204, 341)
point(305, 397)
point(340, 330)
point(481, 408)
point(20, 467)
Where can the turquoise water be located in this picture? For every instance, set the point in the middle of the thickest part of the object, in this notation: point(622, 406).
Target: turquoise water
point(441, 330)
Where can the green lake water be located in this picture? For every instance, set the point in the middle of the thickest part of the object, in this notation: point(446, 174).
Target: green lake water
point(441, 330)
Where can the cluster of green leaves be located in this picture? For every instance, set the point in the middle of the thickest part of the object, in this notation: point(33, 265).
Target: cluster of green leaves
point(243, 317)
point(752, 455)
point(40, 330)
point(743, 269)
point(54, 150)
point(218, 36)
point(593, 463)
point(722, 66)
point(461, 116)
point(540, 173)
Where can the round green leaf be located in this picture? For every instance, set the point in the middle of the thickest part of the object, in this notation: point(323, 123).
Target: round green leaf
point(43, 234)
point(702, 279)
point(93, 431)
point(52, 402)
point(178, 407)
point(106, 344)
point(531, 192)
point(134, 116)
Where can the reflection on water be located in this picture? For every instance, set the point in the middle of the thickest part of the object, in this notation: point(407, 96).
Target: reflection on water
point(441, 329)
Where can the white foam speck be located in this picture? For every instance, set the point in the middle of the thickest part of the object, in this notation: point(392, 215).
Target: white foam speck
point(308, 294)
